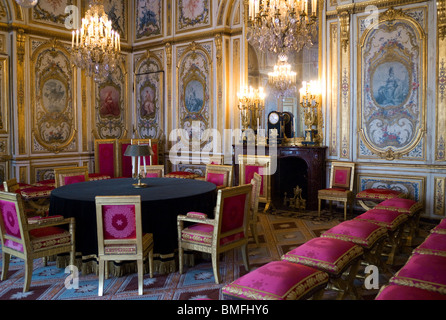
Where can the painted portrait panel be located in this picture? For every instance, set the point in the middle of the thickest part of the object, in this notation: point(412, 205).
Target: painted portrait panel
point(148, 18)
point(392, 89)
point(148, 100)
point(193, 14)
point(110, 98)
point(116, 11)
point(54, 95)
point(194, 96)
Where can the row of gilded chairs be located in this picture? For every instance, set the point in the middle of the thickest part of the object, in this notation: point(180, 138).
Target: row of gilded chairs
point(26, 235)
point(333, 259)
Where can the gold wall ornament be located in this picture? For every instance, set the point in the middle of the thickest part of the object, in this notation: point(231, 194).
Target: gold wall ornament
point(21, 119)
point(439, 196)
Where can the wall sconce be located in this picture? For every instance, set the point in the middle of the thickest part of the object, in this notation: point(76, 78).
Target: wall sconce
point(310, 94)
point(251, 106)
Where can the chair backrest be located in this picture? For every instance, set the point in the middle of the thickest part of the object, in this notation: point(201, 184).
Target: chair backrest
point(250, 164)
point(155, 171)
point(124, 163)
point(69, 175)
point(256, 184)
point(232, 214)
point(13, 223)
point(220, 175)
point(119, 227)
point(105, 157)
point(342, 175)
point(11, 185)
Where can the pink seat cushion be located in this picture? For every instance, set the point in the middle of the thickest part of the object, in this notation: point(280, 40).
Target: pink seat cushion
point(334, 192)
point(407, 206)
point(277, 280)
point(435, 244)
point(384, 218)
point(363, 233)
point(396, 292)
point(423, 271)
point(326, 254)
point(43, 238)
point(440, 228)
point(378, 194)
point(36, 192)
point(202, 234)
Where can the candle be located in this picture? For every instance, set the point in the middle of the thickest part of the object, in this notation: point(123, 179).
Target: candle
point(133, 166)
point(72, 39)
point(139, 166)
point(314, 6)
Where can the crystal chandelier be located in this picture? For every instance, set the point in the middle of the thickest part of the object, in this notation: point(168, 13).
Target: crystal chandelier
point(96, 46)
point(281, 25)
point(282, 79)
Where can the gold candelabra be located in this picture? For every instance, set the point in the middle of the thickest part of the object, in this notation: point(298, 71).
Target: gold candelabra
point(251, 106)
point(310, 94)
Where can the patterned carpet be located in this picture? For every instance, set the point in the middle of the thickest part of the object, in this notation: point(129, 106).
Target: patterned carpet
point(278, 233)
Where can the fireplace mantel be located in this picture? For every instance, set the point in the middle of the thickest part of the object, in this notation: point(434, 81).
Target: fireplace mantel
point(314, 158)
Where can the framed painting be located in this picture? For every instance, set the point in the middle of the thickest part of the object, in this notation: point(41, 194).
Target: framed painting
point(194, 91)
point(149, 108)
point(149, 15)
point(392, 64)
point(110, 105)
point(192, 14)
point(52, 98)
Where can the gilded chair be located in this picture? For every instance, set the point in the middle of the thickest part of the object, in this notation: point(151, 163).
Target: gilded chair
point(248, 165)
point(341, 186)
point(105, 157)
point(124, 163)
point(69, 175)
point(31, 238)
point(255, 182)
point(220, 175)
point(36, 198)
point(228, 229)
point(155, 171)
point(120, 235)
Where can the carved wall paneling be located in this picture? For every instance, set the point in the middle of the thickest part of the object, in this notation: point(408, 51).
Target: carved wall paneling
point(392, 88)
point(439, 196)
point(110, 101)
point(333, 87)
point(149, 95)
point(149, 18)
point(53, 97)
point(440, 134)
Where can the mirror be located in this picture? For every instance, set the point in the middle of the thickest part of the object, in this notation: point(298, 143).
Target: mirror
point(306, 65)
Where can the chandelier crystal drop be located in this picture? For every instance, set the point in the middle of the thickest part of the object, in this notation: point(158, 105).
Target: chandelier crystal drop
point(96, 46)
point(27, 3)
point(281, 25)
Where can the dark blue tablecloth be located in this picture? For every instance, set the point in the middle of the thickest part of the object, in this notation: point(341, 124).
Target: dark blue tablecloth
point(161, 202)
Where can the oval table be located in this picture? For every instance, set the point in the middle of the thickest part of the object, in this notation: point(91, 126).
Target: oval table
point(161, 202)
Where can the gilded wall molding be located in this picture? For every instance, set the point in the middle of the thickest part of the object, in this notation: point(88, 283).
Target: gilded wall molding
point(21, 120)
point(345, 81)
point(333, 80)
point(439, 196)
point(440, 135)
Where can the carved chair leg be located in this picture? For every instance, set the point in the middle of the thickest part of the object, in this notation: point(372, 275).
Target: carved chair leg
point(151, 263)
point(140, 265)
point(101, 277)
point(28, 274)
point(245, 256)
point(215, 267)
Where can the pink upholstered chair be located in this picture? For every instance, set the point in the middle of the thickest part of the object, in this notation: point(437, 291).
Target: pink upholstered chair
point(228, 229)
point(155, 171)
point(369, 198)
point(36, 198)
point(401, 292)
point(105, 157)
point(64, 176)
point(248, 165)
point(341, 186)
point(256, 184)
point(220, 175)
point(124, 163)
point(440, 228)
point(31, 238)
point(120, 235)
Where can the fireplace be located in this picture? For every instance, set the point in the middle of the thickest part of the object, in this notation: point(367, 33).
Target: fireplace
point(303, 166)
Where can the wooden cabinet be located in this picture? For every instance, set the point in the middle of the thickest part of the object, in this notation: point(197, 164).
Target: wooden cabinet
point(302, 166)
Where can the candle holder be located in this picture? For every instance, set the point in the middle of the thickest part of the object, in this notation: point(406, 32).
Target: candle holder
point(137, 151)
point(251, 106)
point(310, 93)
